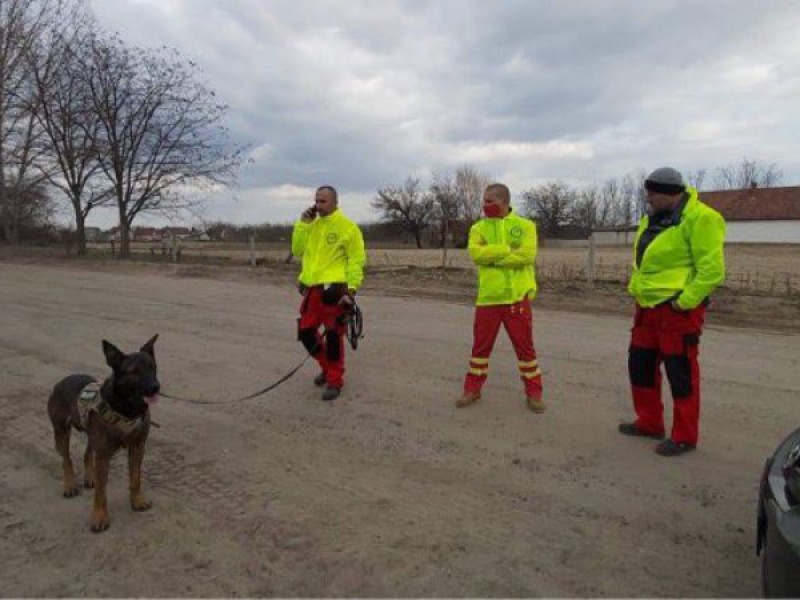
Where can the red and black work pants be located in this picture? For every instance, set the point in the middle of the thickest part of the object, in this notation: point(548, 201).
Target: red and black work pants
point(664, 335)
point(518, 320)
point(321, 307)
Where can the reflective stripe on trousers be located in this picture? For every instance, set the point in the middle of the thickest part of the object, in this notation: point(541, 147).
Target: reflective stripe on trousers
point(518, 321)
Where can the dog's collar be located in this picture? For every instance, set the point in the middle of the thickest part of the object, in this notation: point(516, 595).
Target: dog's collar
point(91, 400)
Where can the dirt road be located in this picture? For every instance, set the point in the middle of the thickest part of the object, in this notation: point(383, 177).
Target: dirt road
point(388, 491)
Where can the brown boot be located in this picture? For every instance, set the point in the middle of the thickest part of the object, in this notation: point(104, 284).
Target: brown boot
point(468, 398)
point(536, 404)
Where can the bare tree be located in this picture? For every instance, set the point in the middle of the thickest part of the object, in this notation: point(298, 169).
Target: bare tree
point(611, 195)
point(160, 128)
point(21, 24)
point(33, 212)
point(592, 208)
point(70, 129)
point(610, 204)
point(747, 173)
point(604, 210)
point(447, 204)
point(583, 214)
point(551, 206)
point(21, 182)
point(469, 186)
point(409, 206)
point(634, 198)
point(695, 178)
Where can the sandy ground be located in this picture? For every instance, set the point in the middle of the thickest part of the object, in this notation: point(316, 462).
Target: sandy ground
point(390, 490)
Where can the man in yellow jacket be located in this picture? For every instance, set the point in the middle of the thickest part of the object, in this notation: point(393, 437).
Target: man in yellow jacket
point(503, 246)
point(332, 250)
point(678, 260)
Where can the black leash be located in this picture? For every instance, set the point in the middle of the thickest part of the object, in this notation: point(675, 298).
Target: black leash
point(243, 398)
point(355, 331)
point(355, 325)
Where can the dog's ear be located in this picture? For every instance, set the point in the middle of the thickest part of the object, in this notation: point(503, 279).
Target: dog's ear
point(148, 347)
point(114, 356)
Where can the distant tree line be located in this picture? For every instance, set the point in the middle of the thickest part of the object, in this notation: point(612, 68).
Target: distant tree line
point(425, 212)
point(417, 209)
point(282, 233)
point(87, 120)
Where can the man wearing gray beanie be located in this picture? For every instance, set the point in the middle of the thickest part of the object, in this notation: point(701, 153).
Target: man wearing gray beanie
point(678, 262)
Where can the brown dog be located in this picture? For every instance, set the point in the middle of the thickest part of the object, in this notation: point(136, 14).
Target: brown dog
point(114, 414)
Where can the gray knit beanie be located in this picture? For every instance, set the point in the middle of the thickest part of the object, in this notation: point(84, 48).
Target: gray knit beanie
point(665, 180)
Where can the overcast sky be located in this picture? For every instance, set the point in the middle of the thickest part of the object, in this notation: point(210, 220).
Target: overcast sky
point(361, 95)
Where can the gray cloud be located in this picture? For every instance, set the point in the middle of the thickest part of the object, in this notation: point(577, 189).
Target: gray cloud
point(362, 94)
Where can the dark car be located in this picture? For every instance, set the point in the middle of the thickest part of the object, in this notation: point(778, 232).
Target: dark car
point(778, 537)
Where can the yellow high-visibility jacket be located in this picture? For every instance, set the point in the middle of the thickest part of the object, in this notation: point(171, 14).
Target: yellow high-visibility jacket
point(505, 252)
point(332, 250)
point(685, 262)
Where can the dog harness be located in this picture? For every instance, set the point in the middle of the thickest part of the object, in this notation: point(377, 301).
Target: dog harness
point(91, 400)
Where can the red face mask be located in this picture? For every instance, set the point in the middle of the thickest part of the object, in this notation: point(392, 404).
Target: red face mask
point(492, 210)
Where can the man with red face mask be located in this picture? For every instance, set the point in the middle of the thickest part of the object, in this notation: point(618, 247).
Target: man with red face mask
point(503, 246)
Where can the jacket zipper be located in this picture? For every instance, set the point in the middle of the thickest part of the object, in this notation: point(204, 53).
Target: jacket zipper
point(501, 226)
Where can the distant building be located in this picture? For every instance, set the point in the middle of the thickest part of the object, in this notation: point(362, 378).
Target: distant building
point(759, 215)
point(197, 236)
point(184, 233)
point(166, 233)
point(753, 216)
point(145, 234)
point(152, 234)
point(615, 236)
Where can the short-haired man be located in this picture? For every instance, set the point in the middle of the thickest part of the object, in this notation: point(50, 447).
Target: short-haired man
point(503, 246)
point(332, 250)
point(678, 260)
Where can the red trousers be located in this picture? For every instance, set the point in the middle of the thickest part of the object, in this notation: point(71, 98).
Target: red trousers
point(321, 308)
point(518, 321)
point(664, 335)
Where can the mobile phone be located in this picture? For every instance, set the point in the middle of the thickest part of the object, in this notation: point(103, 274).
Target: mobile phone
point(313, 210)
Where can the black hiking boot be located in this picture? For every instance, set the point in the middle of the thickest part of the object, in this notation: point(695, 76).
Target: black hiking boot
point(331, 393)
point(671, 448)
point(632, 429)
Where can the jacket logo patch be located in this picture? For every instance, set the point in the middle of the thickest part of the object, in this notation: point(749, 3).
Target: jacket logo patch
point(332, 238)
point(516, 231)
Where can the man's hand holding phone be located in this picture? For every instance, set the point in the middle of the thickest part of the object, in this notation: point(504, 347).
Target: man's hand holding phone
point(309, 214)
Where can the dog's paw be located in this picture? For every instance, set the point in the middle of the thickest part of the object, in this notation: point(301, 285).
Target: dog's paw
point(140, 504)
point(88, 484)
point(100, 521)
point(71, 492)
point(99, 527)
